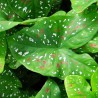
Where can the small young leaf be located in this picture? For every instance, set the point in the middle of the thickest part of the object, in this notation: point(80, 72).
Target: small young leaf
point(49, 90)
point(79, 6)
point(77, 87)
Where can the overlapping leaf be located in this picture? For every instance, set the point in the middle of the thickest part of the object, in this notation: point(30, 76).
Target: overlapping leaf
point(77, 87)
point(44, 48)
point(79, 6)
point(49, 90)
point(8, 12)
point(2, 50)
point(5, 25)
point(9, 85)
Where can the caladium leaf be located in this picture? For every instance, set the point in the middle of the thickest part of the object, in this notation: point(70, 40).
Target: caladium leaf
point(31, 9)
point(53, 62)
point(94, 83)
point(2, 50)
point(79, 6)
point(49, 90)
point(9, 85)
point(48, 42)
point(8, 12)
point(77, 87)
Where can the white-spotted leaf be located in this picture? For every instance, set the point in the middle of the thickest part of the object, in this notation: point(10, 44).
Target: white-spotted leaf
point(77, 87)
point(6, 10)
point(80, 5)
point(45, 47)
point(9, 85)
point(31, 9)
point(49, 90)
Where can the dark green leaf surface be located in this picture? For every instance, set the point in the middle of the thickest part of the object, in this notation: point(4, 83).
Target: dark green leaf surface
point(9, 85)
point(6, 10)
point(77, 87)
point(49, 90)
point(2, 51)
point(80, 5)
point(31, 9)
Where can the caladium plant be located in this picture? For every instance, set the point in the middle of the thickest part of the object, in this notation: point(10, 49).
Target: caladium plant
point(44, 48)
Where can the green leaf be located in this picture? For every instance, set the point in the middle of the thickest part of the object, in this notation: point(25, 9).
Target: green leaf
point(49, 90)
point(45, 47)
point(5, 25)
point(31, 9)
point(9, 85)
point(2, 50)
point(2, 16)
point(53, 61)
point(79, 6)
point(94, 83)
point(8, 12)
point(77, 87)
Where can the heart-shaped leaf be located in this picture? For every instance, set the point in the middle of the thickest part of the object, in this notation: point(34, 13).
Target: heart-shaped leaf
point(2, 50)
point(44, 47)
point(79, 6)
point(49, 90)
point(9, 85)
point(77, 87)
